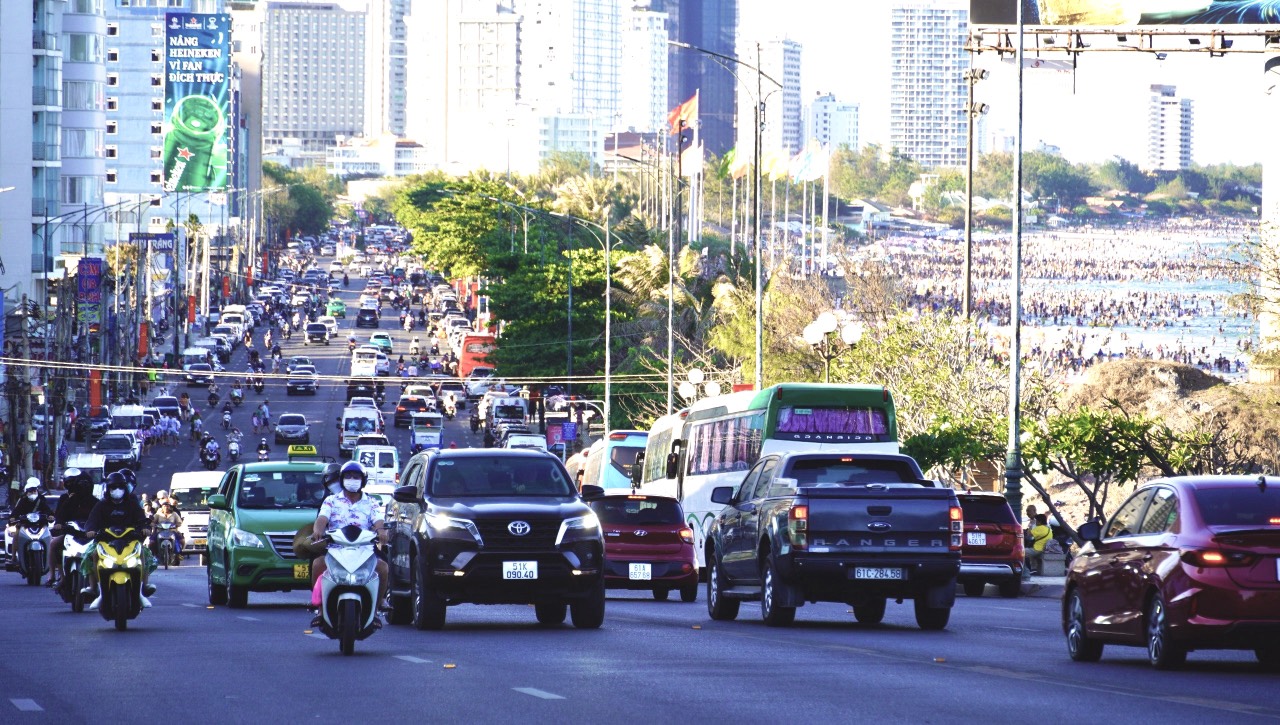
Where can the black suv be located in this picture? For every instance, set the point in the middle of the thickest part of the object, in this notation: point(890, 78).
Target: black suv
point(367, 318)
point(93, 425)
point(316, 332)
point(493, 527)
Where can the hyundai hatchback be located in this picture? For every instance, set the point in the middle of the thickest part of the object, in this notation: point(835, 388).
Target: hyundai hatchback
point(993, 551)
point(647, 545)
point(1186, 563)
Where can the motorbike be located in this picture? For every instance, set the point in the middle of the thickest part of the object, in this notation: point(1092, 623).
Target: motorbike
point(210, 459)
point(213, 400)
point(226, 420)
point(120, 562)
point(75, 545)
point(351, 345)
point(31, 546)
point(450, 410)
point(263, 455)
point(346, 280)
point(237, 396)
point(164, 544)
point(475, 423)
point(258, 385)
point(349, 587)
point(233, 450)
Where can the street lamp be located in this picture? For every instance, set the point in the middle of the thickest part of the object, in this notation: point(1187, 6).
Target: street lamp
point(1013, 455)
point(696, 377)
point(973, 75)
point(818, 335)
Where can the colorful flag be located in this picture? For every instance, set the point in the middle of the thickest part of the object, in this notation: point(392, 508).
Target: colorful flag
point(775, 164)
point(810, 164)
point(687, 112)
point(737, 164)
point(691, 161)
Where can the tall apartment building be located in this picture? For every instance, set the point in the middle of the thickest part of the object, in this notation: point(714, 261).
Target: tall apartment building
point(386, 41)
point(84, 125)
point(313, 74)
point(644, 70)
point(928, 93)
point(1169, 127)
point(711, 25)
point(570, 53)
point(783, 126)
point(30, 104)
point(832, 123)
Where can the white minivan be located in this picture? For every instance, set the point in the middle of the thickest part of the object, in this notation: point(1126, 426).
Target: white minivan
point(356, 421)
point(382, 464)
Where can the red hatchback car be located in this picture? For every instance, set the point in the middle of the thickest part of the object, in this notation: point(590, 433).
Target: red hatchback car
point(1185, 563)
point(647, 545)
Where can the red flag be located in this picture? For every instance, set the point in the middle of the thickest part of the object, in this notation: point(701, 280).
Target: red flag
point(687, 112)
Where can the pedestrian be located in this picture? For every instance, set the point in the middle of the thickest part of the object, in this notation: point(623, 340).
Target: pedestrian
point(257, 422)
point(1040, 536)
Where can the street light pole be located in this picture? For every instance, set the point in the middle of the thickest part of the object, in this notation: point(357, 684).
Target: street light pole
point(973, 75)
point(1013, 457)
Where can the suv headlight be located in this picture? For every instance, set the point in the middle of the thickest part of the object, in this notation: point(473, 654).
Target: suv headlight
point(448, 527)
point(580, 527)
point(240, 537)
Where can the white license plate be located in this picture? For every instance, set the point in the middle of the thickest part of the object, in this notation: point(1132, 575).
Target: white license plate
point(640, 572)
point(870, 572)
point(519, 570)
point(976, 538)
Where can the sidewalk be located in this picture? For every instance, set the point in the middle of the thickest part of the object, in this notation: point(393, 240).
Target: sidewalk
point(1046, 587)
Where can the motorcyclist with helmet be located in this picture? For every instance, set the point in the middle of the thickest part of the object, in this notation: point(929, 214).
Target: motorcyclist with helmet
point(31, 501)
point(263, 447)
point(351, 506)
point(75, 506)
point(121, 509)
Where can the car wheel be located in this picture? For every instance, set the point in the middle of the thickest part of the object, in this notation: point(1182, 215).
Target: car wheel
point(1268, 656)
point(931, 618)
point(718, 607)
point(774, 614)
point(1011, 589)
point(217, 592)
point(237, 597)
point(1162, 652)
point(550, 613)
point(401, 610)
point(689, 593)
point(428, 609)
point(1079, 647)
point(588, 613)
point(871, 611)
point(975, 589)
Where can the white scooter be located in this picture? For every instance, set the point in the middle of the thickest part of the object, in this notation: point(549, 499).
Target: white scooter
point(31, 547)
point(75, 546)
point(233, 449)
point(349, 587)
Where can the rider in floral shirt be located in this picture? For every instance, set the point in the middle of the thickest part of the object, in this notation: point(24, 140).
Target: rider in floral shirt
point(351, 506)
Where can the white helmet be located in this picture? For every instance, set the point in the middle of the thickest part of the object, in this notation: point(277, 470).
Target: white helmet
point(33, 484)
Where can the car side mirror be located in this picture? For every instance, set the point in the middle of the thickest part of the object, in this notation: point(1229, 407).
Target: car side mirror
point(218, 501)
point(1091, 531)
point(405, 494)
point(637, 469)
point(592, 491)
point(722, 494)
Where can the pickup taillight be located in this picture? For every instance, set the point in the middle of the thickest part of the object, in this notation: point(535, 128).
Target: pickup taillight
point(798, 526)
point(957, 528)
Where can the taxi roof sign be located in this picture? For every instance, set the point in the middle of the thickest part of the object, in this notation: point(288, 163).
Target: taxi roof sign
point(301, 451)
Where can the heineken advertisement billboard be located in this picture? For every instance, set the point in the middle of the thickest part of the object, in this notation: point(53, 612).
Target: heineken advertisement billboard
point(197, 101)
point(1125, 13)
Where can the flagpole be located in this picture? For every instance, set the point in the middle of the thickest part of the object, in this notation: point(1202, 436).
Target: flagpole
point(826, 210)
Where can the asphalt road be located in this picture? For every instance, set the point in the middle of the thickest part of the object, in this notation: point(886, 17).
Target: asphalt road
point(999, 660)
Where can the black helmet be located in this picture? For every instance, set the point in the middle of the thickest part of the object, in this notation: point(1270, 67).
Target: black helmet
point(116, 480)
point(130, 477)
point(330, 474)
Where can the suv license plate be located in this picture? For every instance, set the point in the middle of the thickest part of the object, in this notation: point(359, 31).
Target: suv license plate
point(519, 570)
point(301, 571)
point(867, 572)
point(641, 572)
point(977, 538)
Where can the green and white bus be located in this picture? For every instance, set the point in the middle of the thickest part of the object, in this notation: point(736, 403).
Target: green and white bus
point(718, 439)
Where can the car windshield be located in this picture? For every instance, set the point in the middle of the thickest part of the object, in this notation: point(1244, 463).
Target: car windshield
point(282, 489)
point(1245, 506)
point(377, 459)
point(511, 411)
point(194, 499)
point(292, 420)
point(358, 424)
point(114, 443)
point(846, 471)
point(499, 476)
point(987, 510)
point(647, 511)
point(317, 327)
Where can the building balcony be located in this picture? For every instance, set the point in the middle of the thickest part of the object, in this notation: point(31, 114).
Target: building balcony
point(44, 151)
point(44, 41)
point(46, 97)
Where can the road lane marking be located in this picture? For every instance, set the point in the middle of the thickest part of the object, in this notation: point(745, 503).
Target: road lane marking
point(413, 660)
point(317, 635)
point(1020, 629)
point(25, 705)
point(535, 692)
point(249, 619)
point(193, 606)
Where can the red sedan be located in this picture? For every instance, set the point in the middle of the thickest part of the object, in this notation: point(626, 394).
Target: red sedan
point(1185, 563)
point(647, 545)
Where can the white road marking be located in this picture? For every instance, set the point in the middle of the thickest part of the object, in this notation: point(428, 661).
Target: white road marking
point(318, 635)
point(250, 619)
point(25, 705)
point(1018, 629)
point(193, 606)
point(538, 693)
point(412, 659)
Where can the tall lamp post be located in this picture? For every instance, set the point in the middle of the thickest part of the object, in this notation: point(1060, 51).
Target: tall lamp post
point(973, 75)
point(1013, 455)
point(756, 182)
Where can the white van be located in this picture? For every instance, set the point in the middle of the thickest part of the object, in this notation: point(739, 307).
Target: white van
point(127, 417)
point(94, 465)
point(364, 361)
point(354, 422)
point(382, 463)
point(192, 490)
point(194, 355)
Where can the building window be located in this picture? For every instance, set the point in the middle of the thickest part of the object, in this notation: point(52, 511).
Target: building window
point(112, 104)
point(156, 152)
point(155, 56)
point(157, 104)
point(111, 128)
point(113, 29)
point(111, 176)
point(113, 55)
point(157, 80)
point(113, 79)
point(113, 152)
point(155, 128)
point(155, 177)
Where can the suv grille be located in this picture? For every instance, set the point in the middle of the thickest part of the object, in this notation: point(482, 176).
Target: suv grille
point(282, 542)
point(542, 533)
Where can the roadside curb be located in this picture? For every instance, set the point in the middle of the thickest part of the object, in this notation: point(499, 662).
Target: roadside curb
point(1044, 587)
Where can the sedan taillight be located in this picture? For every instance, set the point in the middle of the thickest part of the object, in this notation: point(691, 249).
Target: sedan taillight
point(1217, 558)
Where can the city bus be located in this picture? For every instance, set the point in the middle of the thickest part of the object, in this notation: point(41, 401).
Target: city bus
point(658, 468)
point(724, 435)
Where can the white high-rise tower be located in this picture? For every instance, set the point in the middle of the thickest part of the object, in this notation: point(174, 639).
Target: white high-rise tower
point(928, 94)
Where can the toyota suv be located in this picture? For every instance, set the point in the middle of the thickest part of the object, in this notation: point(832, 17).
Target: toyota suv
point(493, 527)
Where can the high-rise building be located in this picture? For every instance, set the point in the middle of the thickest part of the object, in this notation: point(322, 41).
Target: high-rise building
point(313, 74)
point(928, 92)
point(783, 126)
point(30, 91)
point(711, 25)
point(833, 123)
point(570, 53)
point(386, 54)
point(1169, 127)
point(644, 76)
point(84, 125)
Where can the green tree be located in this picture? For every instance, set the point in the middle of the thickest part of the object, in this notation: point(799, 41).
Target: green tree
point(1123, 175)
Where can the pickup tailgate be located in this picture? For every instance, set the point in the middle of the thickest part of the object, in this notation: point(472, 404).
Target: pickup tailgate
point(878, 519)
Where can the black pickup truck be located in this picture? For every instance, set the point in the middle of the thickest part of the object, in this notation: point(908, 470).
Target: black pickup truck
point(824, 527)
point(488, 526)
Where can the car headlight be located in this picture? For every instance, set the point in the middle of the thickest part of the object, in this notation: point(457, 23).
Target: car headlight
point(450, 527)
point(586, 526)
point(240, 537)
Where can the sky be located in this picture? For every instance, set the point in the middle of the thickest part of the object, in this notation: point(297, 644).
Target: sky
point(1098, 114)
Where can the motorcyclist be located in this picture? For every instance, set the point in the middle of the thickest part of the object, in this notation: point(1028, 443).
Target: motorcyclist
point(168, 515)
point(351, 506)
point(263, 447)
point(119, 509)
point(210, 447)
point(75, 506)
point(31, 501)
point(345, 279)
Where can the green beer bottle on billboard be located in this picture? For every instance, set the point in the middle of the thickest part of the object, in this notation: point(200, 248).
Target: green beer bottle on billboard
point(195, 152)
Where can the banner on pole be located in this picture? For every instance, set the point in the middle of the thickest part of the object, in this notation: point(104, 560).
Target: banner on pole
point(1123, 13)
point(88, 291)
point(159, 268)
point(197, 101)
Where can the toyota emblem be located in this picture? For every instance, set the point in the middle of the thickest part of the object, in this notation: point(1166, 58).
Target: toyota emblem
point(519, 528)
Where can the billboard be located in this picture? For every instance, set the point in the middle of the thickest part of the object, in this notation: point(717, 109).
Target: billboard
point(197, 101)
point(1125, 13)
point(88, 291)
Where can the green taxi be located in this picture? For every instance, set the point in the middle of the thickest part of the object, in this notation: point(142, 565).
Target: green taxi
point(253, 518)
point(336, 308)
